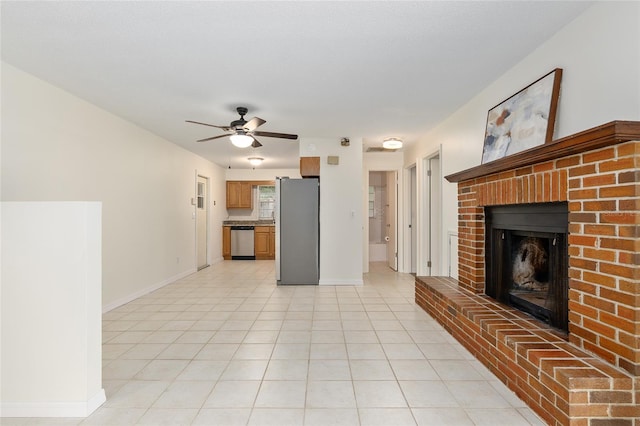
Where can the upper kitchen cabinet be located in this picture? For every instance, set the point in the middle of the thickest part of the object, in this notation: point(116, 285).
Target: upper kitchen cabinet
point(239, 194)
point(309, 167)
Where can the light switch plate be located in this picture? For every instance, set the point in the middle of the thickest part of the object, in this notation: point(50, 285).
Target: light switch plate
point(333, 160)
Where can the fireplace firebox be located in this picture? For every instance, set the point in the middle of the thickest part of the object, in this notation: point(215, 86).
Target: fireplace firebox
point(526, 259)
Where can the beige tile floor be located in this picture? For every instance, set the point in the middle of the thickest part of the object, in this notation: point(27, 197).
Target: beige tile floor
point(226, 346)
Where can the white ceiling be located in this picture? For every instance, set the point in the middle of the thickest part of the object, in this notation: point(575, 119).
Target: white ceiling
point(316, 69)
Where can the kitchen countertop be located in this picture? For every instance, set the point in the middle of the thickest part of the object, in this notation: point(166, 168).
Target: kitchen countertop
point(248, 222)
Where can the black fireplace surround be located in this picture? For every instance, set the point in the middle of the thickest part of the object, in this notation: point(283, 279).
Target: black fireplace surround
point(526, 260)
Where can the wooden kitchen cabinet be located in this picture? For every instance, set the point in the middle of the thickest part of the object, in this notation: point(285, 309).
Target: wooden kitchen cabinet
point(309, 166)
point(265, 242)
point(239, 194)
point(226, 242)
point(272, 242)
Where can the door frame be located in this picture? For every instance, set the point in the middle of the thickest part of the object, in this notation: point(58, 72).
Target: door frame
point(400, 237)
point(207, 197)
point(429, 241)
point(393, 177)
point(410, 229)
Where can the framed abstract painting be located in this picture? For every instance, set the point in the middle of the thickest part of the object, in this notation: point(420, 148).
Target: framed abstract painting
point(524, 120)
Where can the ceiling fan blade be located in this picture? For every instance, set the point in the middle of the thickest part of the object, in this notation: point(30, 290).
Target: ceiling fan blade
point(276, 135)
point(211, 138)
point(255, 143)
point(210, 125)
point(253, 124)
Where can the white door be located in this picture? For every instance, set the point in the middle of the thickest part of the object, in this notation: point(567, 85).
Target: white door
point(390, 216)
point(202, 225)
point(434, 222)
point(414, 218)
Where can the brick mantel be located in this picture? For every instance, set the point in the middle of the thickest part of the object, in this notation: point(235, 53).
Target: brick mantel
point(597, 172)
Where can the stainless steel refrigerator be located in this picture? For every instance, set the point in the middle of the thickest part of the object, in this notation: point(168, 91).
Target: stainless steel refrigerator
point(297, 217)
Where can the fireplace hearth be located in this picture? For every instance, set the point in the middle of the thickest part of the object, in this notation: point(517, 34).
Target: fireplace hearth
point(526, 259)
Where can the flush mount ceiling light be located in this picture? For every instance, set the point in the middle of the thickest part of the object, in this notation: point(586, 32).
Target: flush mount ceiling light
point(255, 161)
point(241, 140)
point(392, 143)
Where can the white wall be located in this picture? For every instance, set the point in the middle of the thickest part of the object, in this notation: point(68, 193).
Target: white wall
point(260, 174)
point(600, 55)
point(341, 209)
point(57, 147)
point(51, 311)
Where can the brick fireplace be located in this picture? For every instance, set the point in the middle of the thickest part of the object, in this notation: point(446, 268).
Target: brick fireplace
point(590, 374)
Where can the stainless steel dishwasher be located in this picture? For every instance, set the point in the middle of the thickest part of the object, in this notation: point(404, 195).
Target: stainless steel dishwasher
point(242, 243)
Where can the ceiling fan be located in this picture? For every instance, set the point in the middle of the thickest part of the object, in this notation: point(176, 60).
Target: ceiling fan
point(242, 132)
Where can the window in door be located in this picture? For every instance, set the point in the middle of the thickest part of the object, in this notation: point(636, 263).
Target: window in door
point(201, 187)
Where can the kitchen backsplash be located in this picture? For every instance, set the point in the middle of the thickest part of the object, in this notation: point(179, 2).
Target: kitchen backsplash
point(242, 214)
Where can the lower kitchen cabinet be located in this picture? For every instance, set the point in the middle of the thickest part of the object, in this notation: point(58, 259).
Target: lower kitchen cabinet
point(265, 242)
point(226, 242)
point(272, 242)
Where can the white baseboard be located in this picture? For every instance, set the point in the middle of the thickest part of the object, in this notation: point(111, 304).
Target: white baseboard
point(53, 409)
point(147, 290)
point(94, 403)
point(341, 282)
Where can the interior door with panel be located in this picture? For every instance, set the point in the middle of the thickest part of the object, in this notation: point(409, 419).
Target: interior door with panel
point(202, 222)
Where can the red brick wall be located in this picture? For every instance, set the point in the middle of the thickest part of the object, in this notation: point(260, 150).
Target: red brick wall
point(602, 188)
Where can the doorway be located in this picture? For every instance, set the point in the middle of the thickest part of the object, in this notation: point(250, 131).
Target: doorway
point(382, 212)
point(202, 221)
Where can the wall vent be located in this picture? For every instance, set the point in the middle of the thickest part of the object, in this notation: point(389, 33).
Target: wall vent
point(379, 149)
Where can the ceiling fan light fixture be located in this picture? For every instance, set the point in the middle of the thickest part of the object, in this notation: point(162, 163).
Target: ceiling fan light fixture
point(255, 161)
point(241, 140)
point(392, 143)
